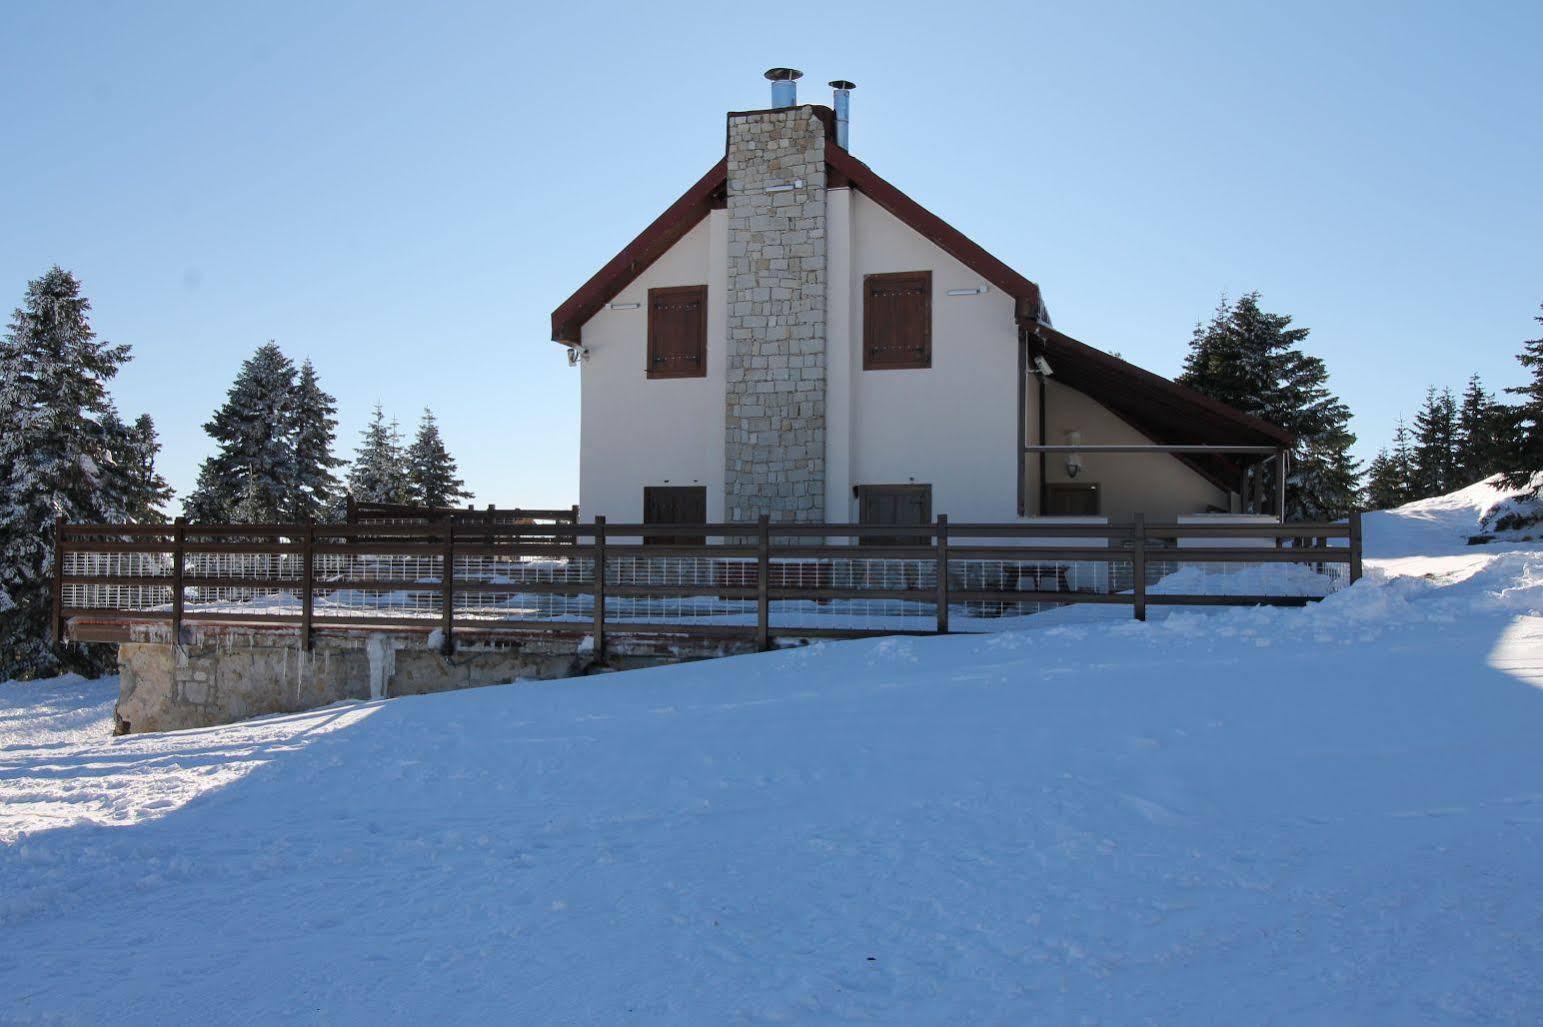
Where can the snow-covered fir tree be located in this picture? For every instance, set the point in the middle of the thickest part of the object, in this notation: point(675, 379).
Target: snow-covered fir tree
point(1435, 445)
point(379, 470)
point(315, 489)
point(431, 470)
point(53, 404)
point(1382, 484)
point(1251, 360)
point(1526, 456)
point(1390, 478)
point(251, 478)
point(138, 492)
point(1485, 433)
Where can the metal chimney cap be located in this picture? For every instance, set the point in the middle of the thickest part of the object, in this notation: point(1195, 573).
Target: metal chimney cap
point(842, 83)
point(784, 74)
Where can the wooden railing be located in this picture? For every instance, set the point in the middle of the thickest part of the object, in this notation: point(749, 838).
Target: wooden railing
point(463, 517)
point(753, 581)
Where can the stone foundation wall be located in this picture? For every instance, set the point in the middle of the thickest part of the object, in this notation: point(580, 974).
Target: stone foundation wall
point(221, 675)
point(775, 413)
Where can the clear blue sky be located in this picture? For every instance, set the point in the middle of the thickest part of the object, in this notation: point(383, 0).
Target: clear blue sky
point(403, 193)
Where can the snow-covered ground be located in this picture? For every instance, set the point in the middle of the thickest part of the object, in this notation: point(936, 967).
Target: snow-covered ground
point(1327, 815)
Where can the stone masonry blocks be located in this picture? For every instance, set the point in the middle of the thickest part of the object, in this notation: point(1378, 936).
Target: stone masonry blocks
point(775, 404)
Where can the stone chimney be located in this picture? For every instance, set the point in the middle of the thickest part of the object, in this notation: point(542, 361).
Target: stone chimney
point(775, 413)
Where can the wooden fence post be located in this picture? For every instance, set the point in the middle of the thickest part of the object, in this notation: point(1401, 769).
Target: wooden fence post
point(1355, 546)
point(942, 599)
point(599, 629)
point(1138, 559)
point(178, 558)
point(57, 585)
point(447, 591)
point(763, 585)
point(307, 581)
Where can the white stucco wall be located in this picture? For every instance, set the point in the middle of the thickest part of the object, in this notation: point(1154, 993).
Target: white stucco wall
point(634, 431)
point(951, 426)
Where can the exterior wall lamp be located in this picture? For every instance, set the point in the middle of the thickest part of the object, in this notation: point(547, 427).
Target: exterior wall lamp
point(1073, 460)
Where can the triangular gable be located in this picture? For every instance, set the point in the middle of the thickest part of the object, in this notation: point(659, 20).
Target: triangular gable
point(651, 244)
point(1163, 410)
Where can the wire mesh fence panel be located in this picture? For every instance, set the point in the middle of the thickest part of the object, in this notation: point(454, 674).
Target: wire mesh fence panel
point(155, 568)
point(129, 598)
point(1077, 579)
point(692, 590)
point(365, 602)
point(409, 569)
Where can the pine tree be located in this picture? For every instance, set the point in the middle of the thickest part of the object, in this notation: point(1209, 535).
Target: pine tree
point(1251, 360)
point(1435, 445)
point(1484, 434)
point(431, 470)
point(252, 476)
point(1381, 482)
point(379, 472)
point(53, 402)
point(1389, 480)
point(1526, 457)
point(138, 492)
point(315, 489)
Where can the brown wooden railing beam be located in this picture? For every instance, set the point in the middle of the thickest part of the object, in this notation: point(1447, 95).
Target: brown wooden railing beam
point(1355, 546)
point(1139, 565)
point(942, 596)
point(178, 558)
point(599, 629)
point(447, 591)
point(763, 584)
point(307, 582)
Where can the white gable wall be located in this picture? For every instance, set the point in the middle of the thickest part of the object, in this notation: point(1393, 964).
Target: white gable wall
point(634, 431)
point(951, 426)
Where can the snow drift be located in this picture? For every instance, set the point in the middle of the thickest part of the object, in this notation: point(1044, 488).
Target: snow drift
point(1322, 815)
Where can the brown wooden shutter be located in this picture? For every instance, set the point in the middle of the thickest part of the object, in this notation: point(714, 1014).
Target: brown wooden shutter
point(901, 505)
point(677, 332)
point(675, 504)
point(897, 321)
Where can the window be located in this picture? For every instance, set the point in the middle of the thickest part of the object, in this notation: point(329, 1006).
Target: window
point(1066, 500)
point(894, 505)
point(897, 321)
point(674, 504)
point(677, 332)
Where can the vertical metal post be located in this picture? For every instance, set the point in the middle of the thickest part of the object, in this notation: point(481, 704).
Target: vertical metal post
point(1022, 432)
point(599, 629)
point(447, 591)
point(178, 558)
point(1044, 431)
point(57, 585)
point(307, 581)
point(763, 585)
point(1355, 546)
point(1282, 468)
point(1138, 559)
point(942, 599)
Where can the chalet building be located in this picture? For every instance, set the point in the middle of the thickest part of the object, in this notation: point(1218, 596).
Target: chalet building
point(797, 337)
